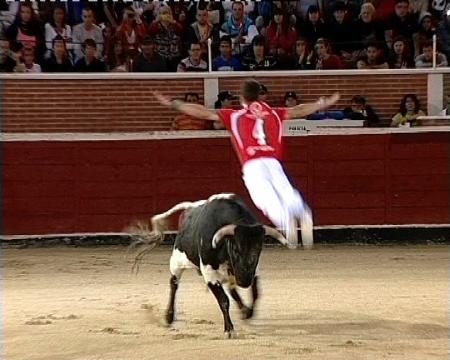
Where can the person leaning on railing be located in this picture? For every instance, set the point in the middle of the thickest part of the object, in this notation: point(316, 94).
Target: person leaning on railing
point(408, 113)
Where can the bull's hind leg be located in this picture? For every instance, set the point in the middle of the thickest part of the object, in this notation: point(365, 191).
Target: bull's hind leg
point(224, 304)
point(178, 263)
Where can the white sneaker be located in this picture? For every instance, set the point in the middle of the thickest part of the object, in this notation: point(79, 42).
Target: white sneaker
point(307, 226)
point(292, 233)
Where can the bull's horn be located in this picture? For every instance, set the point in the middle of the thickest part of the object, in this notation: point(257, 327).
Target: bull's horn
point(270, 231)
point(221, 233)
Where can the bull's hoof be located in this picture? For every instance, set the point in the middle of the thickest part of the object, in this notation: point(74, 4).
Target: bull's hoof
point(169, 317)
point(246, 313)
point(229, 334)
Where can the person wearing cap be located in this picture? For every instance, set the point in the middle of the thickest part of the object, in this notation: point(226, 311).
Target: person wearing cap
point(256, 132)
point(224, 101)
point(149, 60)
point(258, 59)
point(290, 99)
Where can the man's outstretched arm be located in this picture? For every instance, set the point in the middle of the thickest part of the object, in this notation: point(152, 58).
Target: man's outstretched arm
point(195, 110)
point(302, 110)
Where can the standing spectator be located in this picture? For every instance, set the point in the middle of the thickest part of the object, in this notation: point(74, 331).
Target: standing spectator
point(90, 62)
point(302, 58)
point(187, 122)
point(290, 99)
point(314, 27)
point(25, 31)
point(226, 61)
point(194, 61)
point(202, 30)
point(400, 56)
point(27, 64)
point(258, 60)
point(408, 112)
point(425, 60)
point(57, 26)
point(59, 60)
point(131, 32)
point(402, 23)
point(373, 58)
point(166, 32)
point(360, 110)
point(281, 35)
point(425, 32)
point(325, 59)
point(87, 30)
point(149, 60)
point(7, 57)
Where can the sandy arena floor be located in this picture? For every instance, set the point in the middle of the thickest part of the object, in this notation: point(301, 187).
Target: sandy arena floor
point(334, 302)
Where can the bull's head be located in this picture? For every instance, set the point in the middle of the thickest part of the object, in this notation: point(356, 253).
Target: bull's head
point(245, 248)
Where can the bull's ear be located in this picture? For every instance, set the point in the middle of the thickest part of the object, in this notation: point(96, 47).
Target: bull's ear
point(221, 233)
point(270, 231)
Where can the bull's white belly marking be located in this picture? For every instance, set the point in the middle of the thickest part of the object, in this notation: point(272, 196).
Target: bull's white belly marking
point(215, 276)
point(179, 262)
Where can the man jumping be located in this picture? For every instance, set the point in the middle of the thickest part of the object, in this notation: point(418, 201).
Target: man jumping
point(256, 131)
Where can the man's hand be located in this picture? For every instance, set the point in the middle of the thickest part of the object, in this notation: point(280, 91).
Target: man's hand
point(333, 99)
point(164, 100)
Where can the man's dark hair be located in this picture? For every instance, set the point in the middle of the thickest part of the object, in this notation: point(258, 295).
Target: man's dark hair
point(58, 38)
point(358, 99)
point(250, 90)
point(226, 38)
point(90, 42)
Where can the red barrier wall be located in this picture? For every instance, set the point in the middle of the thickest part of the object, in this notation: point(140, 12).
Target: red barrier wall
point(85, 186)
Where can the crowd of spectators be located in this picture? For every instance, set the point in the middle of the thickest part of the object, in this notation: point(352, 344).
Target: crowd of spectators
point(158, 36)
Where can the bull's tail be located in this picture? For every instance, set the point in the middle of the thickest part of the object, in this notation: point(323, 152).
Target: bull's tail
point(142, 234)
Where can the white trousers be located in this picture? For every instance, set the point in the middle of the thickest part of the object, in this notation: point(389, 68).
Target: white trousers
point(272, 192)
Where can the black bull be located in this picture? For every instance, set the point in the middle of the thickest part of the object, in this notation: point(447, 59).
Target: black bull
point(221, 238)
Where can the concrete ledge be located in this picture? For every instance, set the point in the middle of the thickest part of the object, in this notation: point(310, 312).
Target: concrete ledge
point(350, 236)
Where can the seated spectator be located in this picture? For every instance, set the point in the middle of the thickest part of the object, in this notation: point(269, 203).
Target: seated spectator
point(238, 24)
point(263, 93)
point(187, 122)
point(302, 59)
point(280, 34)
point(258, 60)
point(202, 30)
point(226, 61)
point(400, 56)
point(325, 59)
point(425, 32)
point(26, 32)
point(57, 26)
point(290, 99)
point(340, 33)
point(87, 30)
point(401, 23)
point(90, 62)
point(443, 34)
point(408, 112)
point(7, 57)
point(167, 32)
point(117, 59)
point(131, 32)
point(446, 110)
point(149, 60)
point(27, 64)
point(194, 61)
point(425, 60)
point(360, 110)
point(367, 27)
point(59, 60)
point(224, 101)
point(314, 27)
point(373, 58)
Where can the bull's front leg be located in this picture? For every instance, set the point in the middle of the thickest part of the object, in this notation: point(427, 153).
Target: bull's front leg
point(246, 312)
point(224, 304)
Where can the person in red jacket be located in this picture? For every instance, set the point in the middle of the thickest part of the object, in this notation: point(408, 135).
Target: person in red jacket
point(256, 132)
